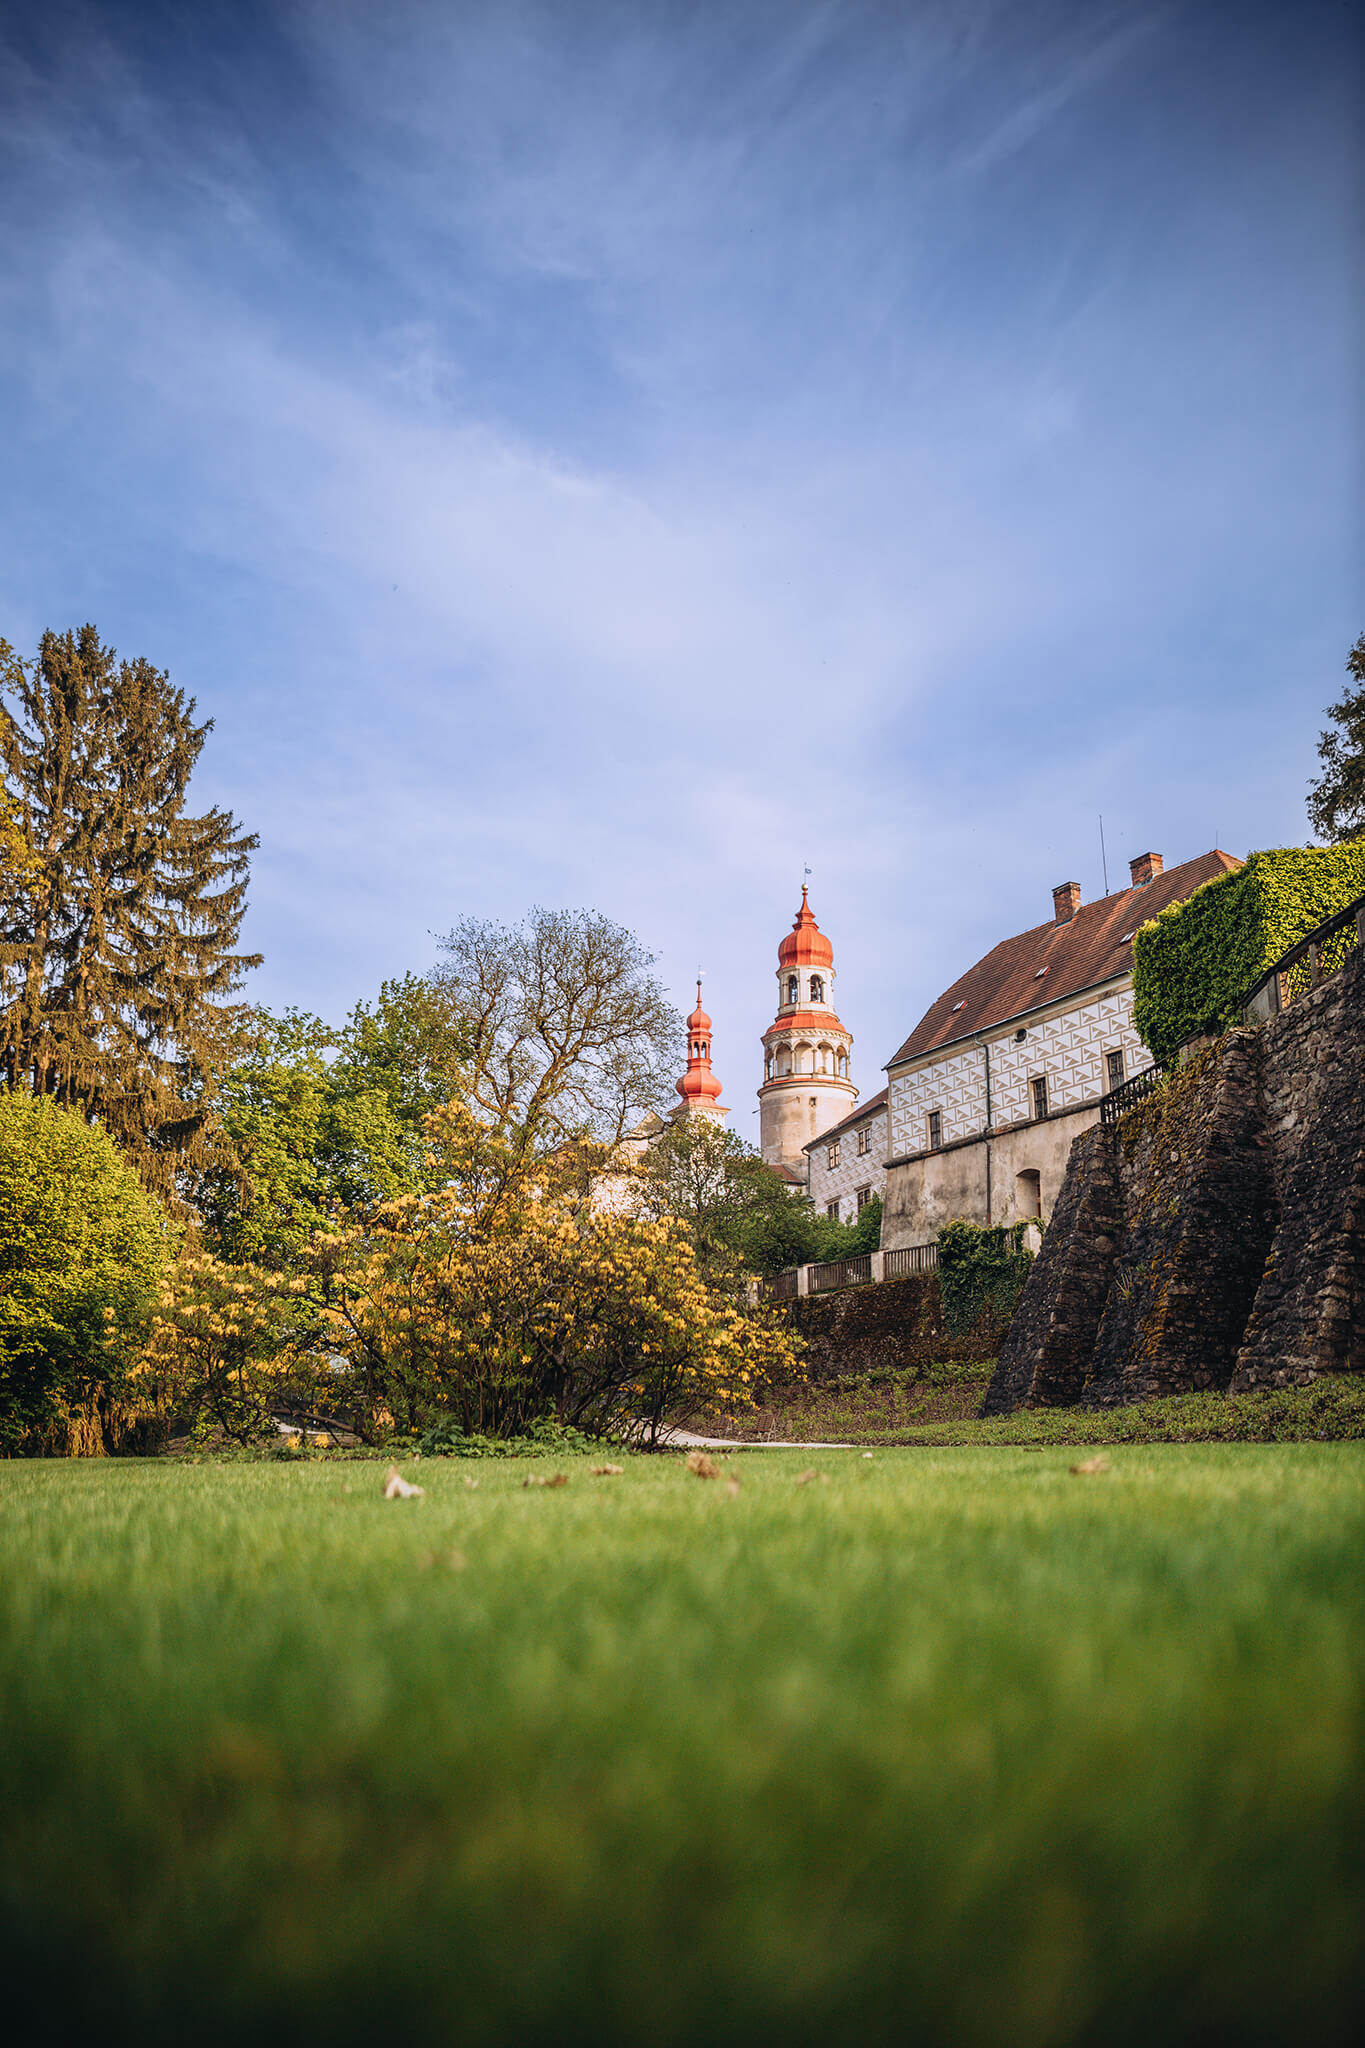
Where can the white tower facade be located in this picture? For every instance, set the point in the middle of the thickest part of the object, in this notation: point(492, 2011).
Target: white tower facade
point(806, 1050)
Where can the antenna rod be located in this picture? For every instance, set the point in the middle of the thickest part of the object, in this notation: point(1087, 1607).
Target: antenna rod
point(1104, 860)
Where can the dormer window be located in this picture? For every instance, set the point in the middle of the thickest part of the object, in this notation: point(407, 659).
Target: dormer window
point(817, 989)
point(793, 987)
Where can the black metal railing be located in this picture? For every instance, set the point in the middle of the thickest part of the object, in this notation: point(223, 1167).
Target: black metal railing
point(1306, 964)
point(854, 1272)
point(911, 1258)
point(1120, 1100)
point(782, 1286)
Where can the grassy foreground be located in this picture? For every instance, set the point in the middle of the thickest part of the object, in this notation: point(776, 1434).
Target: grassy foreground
point(939, 1405)
point(957, 1747)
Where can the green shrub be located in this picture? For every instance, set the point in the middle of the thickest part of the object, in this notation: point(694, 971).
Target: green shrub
point(543, 1438)
point(1193, 964)
point(82, 1246)
point(980, 1271)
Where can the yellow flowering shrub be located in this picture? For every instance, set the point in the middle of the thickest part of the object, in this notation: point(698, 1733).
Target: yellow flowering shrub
point(505, 1295)
point(229, 1347)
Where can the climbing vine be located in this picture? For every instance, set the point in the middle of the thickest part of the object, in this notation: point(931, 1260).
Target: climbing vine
point(980, 1270)
point(1193, 963)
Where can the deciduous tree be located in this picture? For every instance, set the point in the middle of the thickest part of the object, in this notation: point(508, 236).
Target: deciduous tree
point(568, 1033)
point(82, 1248)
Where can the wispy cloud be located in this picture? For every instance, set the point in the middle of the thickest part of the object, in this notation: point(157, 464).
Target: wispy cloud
point(616, 455)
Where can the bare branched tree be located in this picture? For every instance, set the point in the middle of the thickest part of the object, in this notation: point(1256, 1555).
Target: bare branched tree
point(568, 1034)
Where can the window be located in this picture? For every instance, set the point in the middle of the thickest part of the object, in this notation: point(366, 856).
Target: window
point(793, 988)
point(1039, 1087)
point(865, 1138)
point(1113, 1069)
point(832, 1211)
point(935, 1129)
point(1028, 1194)
point(768, 1067)
point(832, 1154)
point(817, 989)
point(864, 1196)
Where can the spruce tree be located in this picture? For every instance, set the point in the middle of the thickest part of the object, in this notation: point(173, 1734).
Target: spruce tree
point(118, 924)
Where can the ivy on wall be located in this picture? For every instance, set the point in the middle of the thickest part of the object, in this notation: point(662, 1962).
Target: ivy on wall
point(1193, 964)
point(980, 1270)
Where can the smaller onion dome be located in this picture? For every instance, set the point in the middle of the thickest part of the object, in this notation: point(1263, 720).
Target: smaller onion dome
point(698, 1086)
point(805, 944)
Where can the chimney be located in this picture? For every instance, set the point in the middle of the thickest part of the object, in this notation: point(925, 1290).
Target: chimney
point(1145, 869)
point(1066, 901)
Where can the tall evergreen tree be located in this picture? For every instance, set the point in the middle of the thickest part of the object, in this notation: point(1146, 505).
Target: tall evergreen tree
point(118, 929)
point(1336, 807)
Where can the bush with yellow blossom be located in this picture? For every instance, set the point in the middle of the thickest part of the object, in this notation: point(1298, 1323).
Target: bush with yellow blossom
point(504, 1294)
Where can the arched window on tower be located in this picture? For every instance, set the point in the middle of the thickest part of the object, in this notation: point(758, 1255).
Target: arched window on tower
point(817, 989)
point(793, 987)
point(843, 1066)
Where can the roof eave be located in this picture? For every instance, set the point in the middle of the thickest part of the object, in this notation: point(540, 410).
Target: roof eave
point(1000, 1024)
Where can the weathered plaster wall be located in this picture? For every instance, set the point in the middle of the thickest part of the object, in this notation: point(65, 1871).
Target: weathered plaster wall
point(1216, 1236)
point(950, 1186)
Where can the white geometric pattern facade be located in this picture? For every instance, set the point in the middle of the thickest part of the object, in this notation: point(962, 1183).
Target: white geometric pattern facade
point(855, 1169)
point(1067, 1049)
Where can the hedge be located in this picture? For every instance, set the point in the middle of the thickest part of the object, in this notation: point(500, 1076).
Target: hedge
point(1194, 963)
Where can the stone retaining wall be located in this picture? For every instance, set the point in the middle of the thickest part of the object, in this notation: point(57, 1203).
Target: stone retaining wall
point(895, 1324)
point(1215, 1236)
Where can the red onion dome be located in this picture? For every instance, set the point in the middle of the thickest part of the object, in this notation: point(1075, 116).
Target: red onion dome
point(698, 1084)
point(805, 944)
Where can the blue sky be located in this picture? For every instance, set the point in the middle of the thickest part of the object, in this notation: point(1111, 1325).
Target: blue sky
point(615, 454)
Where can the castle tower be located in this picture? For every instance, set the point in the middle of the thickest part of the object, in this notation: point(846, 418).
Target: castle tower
point(806, 1085)
point(699, 1088)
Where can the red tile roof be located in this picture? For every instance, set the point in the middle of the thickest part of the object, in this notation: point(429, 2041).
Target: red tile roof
point(1055, 960)
point(854, 1117)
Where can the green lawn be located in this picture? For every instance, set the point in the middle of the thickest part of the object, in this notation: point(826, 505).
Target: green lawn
point(940, 1405)
point(958, 1748)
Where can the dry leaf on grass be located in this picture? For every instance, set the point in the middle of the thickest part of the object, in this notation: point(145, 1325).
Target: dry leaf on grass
point(555, 1479)
point(703, 1467)
point(471, 1484)
point(607, 1471)
point(731, 1487)
point(1092, 1465)
point(396, 1487)
point(805, 1478)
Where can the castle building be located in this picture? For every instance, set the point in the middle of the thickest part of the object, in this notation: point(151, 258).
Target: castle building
point(699, 1089)
point(1010, 1064)
point(846, 1164)
point(806, 1085)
